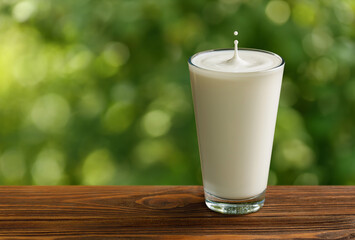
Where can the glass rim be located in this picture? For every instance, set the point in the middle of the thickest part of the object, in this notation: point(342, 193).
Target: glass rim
point(246, 49)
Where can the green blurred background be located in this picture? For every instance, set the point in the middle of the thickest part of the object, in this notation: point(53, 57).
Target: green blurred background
point(98, 92)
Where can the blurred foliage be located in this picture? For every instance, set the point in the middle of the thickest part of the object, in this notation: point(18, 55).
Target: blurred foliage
point(98, 92)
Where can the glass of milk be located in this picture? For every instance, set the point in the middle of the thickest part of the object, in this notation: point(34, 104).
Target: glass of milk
point(236, 96)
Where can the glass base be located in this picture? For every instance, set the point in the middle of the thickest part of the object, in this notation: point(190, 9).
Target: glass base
point(228, 206)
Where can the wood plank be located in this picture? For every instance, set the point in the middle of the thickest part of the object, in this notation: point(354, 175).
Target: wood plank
point(174, 212)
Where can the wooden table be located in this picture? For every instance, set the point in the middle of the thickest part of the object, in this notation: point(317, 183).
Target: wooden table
point(172, 212)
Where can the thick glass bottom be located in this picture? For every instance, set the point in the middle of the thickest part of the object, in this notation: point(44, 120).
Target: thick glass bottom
point(228, 206)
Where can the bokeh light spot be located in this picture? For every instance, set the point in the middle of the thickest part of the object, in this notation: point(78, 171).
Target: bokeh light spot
point(30, 70)
point(345, 12)
point(289, 124)
point(48, 168)
point(91, 103)
point(172, 99)
point(79, 60)
point(278, 11)
point(118, 117)
point(156, 123)
point(23, 10)
point(322, 40)
point(149, 152)
point(50, 112)
point(304, 13)
point(116, 54)
point(296, 154)
point(98, 168)
point(324, 70)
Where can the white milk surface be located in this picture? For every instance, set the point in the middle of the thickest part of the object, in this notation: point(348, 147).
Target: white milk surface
point(249, 61)
point(235, 101)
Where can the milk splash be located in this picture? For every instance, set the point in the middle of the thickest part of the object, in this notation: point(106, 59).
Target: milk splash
point(236, 60)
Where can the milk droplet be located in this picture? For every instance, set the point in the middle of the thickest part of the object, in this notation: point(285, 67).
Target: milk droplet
point(236, 60)
point(236, 46)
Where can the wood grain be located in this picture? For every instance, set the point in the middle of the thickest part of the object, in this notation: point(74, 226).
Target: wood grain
point(171, 212)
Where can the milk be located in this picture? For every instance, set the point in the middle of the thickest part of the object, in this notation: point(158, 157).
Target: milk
point(236, 95)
